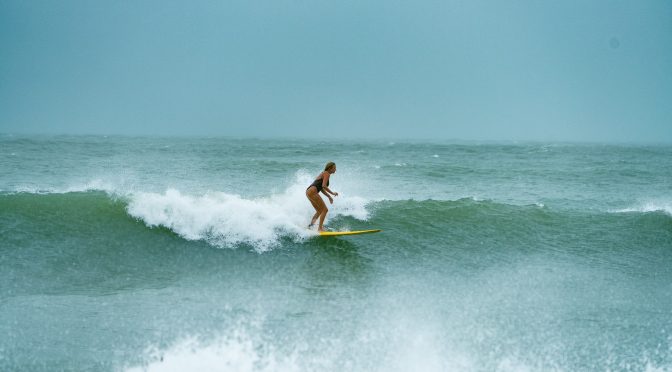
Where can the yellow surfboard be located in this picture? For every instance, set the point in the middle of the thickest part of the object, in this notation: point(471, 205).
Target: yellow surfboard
point(341, 233)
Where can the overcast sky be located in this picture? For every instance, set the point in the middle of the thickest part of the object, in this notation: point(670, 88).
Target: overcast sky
point(473, 70)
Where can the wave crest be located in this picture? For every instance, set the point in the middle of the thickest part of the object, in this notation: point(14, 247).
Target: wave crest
point(224, 219)
point(648, 207)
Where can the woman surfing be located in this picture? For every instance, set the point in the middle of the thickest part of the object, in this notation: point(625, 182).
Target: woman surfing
point(321, 184)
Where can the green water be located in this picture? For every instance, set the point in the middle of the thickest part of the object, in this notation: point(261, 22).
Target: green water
point(192, 254)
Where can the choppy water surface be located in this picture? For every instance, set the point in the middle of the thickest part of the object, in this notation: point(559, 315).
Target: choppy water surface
point(192, 254)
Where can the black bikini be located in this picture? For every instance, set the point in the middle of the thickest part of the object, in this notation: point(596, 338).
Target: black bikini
point(318, 184)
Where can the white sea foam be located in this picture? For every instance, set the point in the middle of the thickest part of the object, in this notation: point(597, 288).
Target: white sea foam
point(420, 350)
point(648, 206)
point(31, 189)
point(393, 339)
point(224, 219)
point(92, 185)
point(236, 353)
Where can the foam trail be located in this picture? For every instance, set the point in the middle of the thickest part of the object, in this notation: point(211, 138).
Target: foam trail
point(224, 219)
point(650, 206)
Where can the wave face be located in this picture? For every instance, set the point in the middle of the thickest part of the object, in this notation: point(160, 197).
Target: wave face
point(229, 221)
point(193, 254)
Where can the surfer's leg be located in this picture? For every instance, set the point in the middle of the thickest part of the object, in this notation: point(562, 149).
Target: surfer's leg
point(322, 217)
point(313, 197)
point(317, 212)
point(323, 214)
point(312, 220)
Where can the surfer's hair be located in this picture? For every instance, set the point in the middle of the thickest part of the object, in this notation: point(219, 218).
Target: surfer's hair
point(329, 165)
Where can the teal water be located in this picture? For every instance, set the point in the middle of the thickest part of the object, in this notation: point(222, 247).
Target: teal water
point(192, 254)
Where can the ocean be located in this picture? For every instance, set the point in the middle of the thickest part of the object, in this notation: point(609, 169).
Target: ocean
point(193, 254)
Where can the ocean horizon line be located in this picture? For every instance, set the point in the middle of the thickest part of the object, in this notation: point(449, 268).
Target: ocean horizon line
point(365, 139)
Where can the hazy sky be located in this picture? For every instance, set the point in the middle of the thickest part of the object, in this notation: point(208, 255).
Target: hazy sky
point(475, 70)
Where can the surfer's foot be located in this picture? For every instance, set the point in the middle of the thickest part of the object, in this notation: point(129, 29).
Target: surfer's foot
point(311, 225)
